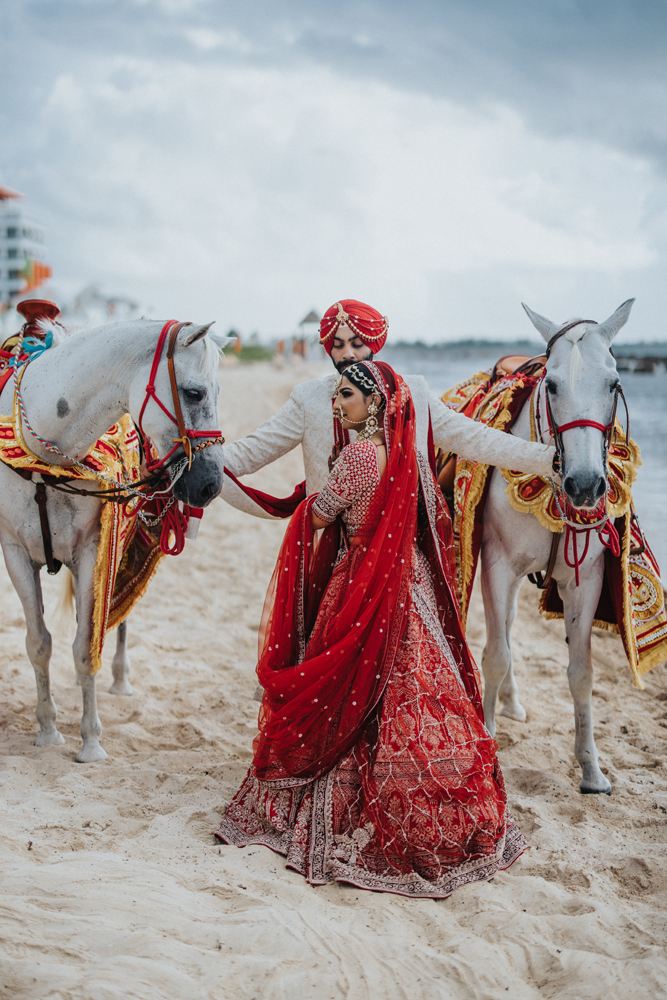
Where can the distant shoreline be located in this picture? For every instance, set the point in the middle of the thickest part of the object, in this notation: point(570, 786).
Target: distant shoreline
point(656, 348)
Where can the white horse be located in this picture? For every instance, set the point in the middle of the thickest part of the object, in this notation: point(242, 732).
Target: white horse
point(582, 381)
point(72, 393)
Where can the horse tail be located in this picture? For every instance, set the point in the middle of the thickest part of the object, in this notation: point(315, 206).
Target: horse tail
point(65, 605)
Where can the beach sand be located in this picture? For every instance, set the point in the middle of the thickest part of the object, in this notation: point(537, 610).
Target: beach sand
point(113, 885)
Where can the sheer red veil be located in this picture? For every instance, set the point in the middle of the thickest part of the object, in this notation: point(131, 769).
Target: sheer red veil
point(322, 684)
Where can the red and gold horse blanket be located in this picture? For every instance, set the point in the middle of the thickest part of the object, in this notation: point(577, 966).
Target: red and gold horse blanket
point(632, 600)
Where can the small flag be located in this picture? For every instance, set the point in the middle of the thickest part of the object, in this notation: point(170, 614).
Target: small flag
point(35, 274)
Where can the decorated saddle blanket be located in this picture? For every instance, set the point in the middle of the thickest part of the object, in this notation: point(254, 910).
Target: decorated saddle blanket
point(128, 553)
point(632, 600)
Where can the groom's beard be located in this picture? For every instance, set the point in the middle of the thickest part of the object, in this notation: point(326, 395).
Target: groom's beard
point(340, 366)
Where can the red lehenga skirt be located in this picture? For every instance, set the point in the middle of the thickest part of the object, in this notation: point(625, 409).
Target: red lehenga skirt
point(418, 806)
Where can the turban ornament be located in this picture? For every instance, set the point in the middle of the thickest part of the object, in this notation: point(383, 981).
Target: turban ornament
point(364, 321)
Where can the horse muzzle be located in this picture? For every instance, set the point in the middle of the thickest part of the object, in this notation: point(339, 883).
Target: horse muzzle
point(202, 483)
point(584, 490)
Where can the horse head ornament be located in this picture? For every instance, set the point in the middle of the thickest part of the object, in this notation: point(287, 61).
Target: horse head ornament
point(581, 387)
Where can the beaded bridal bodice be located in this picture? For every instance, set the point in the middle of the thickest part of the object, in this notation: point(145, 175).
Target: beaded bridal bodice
point(350, 487)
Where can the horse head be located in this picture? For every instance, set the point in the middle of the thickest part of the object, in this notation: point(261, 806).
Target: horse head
point(581, 386)
point(195, 364)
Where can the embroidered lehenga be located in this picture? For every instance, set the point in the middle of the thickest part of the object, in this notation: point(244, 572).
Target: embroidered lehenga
point(372, 765)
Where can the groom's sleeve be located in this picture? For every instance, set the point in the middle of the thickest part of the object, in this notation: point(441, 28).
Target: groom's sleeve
point(275, 437)
point(454, 432)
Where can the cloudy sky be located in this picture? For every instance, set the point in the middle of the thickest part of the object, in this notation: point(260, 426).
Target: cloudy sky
point(441, 159)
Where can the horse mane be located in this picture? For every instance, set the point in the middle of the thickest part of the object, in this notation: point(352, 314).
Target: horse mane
point(576, 361)
point(213, 352)
point(60, 333)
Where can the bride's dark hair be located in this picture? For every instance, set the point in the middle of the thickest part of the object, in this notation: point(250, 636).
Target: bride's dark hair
point(358, 374)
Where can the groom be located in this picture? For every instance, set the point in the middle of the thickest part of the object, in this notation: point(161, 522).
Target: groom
point(352, 331)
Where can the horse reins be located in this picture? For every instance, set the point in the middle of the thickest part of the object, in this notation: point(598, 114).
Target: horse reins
point(123, 493)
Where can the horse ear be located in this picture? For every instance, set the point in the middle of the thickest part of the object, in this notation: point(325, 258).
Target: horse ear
point(220, 340)
point(541, 323)
point(611, 326)
point(198, 333)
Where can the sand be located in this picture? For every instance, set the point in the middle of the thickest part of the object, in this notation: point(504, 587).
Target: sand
point(113, 885)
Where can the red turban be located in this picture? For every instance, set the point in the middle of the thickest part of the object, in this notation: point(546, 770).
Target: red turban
point(366, 322)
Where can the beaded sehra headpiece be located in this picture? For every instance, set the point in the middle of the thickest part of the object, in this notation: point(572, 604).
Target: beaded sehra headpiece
point(372, 331)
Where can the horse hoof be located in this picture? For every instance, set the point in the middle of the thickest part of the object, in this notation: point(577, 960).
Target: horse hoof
point(53, 739)
point(513, 710)
point(90, 754)
point(121, 688)
point(594, 791)
point(594, 784)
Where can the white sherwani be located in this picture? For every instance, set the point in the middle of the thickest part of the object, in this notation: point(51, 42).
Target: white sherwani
point(307, 419)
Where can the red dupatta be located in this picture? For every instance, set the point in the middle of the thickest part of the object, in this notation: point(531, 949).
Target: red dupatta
point(320, 693)
point(323, 677)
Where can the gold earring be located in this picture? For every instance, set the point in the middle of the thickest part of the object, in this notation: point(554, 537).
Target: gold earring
point(371, 423)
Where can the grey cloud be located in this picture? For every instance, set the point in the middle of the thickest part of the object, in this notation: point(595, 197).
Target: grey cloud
point(592, 68)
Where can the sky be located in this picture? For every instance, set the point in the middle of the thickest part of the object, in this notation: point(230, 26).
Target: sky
point(444, 160)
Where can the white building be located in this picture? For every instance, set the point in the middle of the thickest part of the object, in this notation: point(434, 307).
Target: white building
point(21, 243)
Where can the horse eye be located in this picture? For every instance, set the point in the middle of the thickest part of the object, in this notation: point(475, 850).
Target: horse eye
point(195, 394)
point(552, 388)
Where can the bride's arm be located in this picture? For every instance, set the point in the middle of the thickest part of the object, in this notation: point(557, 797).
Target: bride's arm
point(354, 471)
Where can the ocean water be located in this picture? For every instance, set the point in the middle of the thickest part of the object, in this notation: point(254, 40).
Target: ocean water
point(646, 395)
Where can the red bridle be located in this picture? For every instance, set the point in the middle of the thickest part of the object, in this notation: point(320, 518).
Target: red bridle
point(561, 428)
point(605, 528)
point(558, 430)
point(171, 329)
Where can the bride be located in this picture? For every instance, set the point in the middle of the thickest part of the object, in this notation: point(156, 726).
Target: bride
point(372, 765)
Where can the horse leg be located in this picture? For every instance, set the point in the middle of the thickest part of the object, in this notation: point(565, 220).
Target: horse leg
point(579, 604)
point(120, 665)
point(509, 689)
point(25, 577)
point(91, 728)
point(500, 587)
